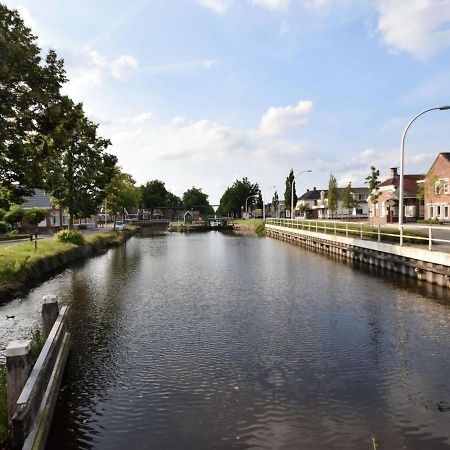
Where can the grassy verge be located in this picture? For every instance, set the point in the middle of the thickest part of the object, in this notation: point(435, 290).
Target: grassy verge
point(389, 234)
point(20, 264)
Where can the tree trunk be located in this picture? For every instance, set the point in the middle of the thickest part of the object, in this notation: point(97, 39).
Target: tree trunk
point(71, 221)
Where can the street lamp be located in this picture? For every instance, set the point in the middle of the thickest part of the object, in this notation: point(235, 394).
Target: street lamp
point(250, 196)
point(402, 161)
point(292, 190)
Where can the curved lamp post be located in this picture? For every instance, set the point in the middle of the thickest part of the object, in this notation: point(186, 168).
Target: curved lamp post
point(402, 160)
point(292, 190)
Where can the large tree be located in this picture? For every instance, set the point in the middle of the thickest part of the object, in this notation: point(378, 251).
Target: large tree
point(194, 198)
point(154, 195)
point(234, 197)
point(29, 96)
point(348, 199)
point(333, 196)
point(122, 193)
point(78, 169)
point(275, 203)
point(290, 179)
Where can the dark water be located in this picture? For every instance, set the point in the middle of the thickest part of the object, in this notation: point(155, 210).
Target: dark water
point(213, 341)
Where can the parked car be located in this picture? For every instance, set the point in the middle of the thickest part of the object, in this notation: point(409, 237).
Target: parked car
point(120, 226)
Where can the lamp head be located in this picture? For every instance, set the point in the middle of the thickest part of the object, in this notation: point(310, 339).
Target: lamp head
point(444, 108)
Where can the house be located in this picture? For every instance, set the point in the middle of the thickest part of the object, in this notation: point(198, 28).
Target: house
point(56, 217)
point(385, 209)
point(193, 217)
point(435, 188)
point(316, 202)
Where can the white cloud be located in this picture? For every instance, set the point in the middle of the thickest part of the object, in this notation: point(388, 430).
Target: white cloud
point(282, 118)
point(92, 69)
point(178, 120)
point(218, 6)
point(284, 28)
point(275, 5)
point(418, 27)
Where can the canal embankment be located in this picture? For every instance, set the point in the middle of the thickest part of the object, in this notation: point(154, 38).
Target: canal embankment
point(26, 263)
point(415, 261)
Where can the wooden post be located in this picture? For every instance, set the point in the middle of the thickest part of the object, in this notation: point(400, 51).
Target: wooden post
point(50, 311)
point(18, 367)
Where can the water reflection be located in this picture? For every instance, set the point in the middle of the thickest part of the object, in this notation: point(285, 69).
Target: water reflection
point(217, 341)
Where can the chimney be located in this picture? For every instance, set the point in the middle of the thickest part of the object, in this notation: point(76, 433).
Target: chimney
point(394, 172)
point(314, 188)
point(307, 190)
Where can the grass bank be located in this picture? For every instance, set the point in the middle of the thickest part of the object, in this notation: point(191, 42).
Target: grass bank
point(256, 226)
point(21, 265)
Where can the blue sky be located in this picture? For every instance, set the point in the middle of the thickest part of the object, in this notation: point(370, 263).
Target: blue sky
point(200, 92)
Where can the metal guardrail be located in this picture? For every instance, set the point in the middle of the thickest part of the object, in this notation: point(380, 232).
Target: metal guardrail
point(418, 234)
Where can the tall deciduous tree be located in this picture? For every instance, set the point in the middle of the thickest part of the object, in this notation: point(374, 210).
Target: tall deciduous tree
point(332, 194)
point(372, 181)
point(234, 197)
point(194, 198)
point(348, 199)
point(29, 95)
point(154, 195)
point(122, 193)
point(288, 192)
point(78, 169)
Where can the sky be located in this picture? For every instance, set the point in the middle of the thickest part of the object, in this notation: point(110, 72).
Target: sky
point(203, 92)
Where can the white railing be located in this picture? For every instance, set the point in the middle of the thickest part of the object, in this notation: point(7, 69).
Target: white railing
point(406, 234)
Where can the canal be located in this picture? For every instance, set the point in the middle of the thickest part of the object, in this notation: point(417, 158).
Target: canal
point(218, 341)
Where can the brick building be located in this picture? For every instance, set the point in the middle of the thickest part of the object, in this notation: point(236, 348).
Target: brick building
point(436, 190)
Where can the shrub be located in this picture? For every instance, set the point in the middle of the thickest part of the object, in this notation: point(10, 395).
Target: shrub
point(70, 237)
point(82, 226)
point(2, 213)
point(430, 221)
point(3, 228)
point(14, 216)
point(35, 215)
point(260, 229)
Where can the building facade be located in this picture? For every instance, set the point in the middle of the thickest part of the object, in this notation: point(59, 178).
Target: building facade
point(436, 191)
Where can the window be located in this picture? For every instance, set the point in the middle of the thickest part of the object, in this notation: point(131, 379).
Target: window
point(446, 212)
point(445, 185)
point(383, 209)
point(431, 212)
point(438, 211)
point(437, 187)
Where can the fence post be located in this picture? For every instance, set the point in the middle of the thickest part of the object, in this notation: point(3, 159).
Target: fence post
point(317, 226)
point(335, 232)
point(18, 367)
point(430, 238)
point(50, 311)
point(346, 229)
point(361, 230)
point(379, 233)
point(401, 235)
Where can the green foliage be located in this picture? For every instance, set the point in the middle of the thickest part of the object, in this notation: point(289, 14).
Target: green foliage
point(372, 181)
point(122, 193)
point(37, 342)
point(303, 209)
point(2, 213)
point(78, 169)
point(14, 216)
point(275, 202)
point(260, 229)
point(348, 199)
point(154, 195)
point(233, 199)
point(3, 228)
point(333, 196)
point(35, 215)
point(30, 92)
point(290, 180)
point(70, 237)
point(430, 221)
point(194, 198)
